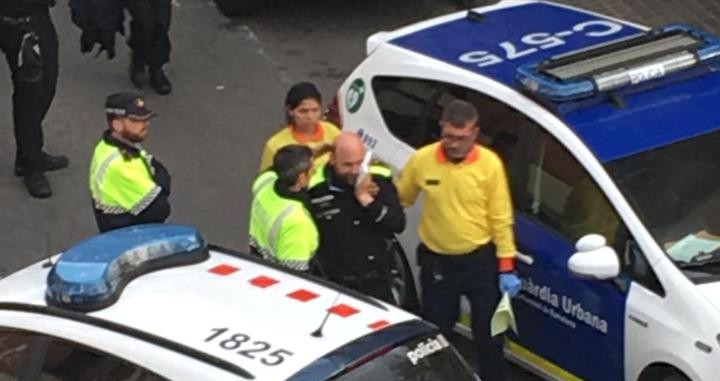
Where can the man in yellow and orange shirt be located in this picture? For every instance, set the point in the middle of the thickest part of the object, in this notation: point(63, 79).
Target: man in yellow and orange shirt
point(467, 244)
point(303, 105)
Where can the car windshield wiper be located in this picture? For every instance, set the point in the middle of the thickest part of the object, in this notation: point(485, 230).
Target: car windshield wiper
point(702, 259)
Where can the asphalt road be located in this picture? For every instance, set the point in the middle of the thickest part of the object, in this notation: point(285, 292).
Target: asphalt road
point(230, 77)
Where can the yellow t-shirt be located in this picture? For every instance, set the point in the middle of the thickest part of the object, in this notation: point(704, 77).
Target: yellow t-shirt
point(467, 204)
point(325, 132)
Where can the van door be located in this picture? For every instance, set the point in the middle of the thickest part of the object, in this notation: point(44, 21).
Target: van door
point(569, 328)
point(575, 326)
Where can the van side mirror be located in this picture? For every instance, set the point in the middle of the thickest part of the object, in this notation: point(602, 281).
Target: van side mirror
point(594, 258)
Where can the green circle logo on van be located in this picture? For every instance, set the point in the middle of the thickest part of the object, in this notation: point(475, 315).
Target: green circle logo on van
point(355, 95)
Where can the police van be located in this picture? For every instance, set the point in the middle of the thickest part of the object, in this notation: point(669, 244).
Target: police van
point(610, 134)
point(155, 302)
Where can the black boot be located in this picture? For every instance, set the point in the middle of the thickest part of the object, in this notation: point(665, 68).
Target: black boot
point(37, 185)
point(47, 163)
point(138, 71)
point(159, 81)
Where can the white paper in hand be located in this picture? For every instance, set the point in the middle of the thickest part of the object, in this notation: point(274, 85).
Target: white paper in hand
point(364, 167)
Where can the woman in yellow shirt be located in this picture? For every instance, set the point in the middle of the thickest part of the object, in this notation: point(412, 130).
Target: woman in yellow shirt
point(303, 105)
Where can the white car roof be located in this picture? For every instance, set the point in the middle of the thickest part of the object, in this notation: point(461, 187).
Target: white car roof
point(185, 304)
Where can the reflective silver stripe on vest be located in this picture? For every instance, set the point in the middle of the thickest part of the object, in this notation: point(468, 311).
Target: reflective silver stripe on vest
point(107, 209)
point(275, 229)
point(100, 174)
point(263, 184)
point(146, 201)
point(265, 254)
point(295, 264)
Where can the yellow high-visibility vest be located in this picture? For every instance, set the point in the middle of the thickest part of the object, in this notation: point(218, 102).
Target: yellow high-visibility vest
point(120, 184)
point(281, 229)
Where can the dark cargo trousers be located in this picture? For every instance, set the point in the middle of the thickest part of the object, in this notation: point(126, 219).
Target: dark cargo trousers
point(31, 98)
point(149, 28)
point(444, 279)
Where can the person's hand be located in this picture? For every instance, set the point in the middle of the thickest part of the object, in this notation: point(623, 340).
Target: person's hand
point(510, 283)
point(366, 190)
point(373, 188)
point(322, 149)
point(107, 43)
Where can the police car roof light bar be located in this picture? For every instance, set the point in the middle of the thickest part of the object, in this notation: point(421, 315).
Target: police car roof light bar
point(92, 274)
point(656, 54)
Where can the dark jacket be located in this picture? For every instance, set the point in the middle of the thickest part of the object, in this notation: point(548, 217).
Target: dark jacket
point(353, 238)
point(22, 8)
point(157, 212)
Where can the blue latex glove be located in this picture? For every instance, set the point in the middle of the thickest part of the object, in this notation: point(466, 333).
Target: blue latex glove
point(510, 283)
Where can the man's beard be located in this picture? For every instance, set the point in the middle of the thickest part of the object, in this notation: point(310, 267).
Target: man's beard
point(133, 138)
point(349, 179)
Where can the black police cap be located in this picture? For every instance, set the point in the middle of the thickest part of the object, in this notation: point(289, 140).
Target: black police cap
point(129, 105)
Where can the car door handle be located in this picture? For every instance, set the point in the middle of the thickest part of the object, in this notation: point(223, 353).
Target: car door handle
point(638, 321)
point(524, 258)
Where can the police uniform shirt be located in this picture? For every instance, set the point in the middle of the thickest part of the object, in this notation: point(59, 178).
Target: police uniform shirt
point(353, 238)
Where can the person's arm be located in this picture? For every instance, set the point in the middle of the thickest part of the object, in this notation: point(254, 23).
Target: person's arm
point(297, 242)
point(500, 214)
point(162, 176)
point(137, 193)
point(384, 209)
point(407, 186)
point(157, 212)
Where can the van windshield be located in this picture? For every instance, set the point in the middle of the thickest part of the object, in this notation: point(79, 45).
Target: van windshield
point(675, 190)
point(427, 358)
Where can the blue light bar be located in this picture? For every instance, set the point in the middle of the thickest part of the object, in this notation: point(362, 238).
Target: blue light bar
point(620, 64)
point(92, 274)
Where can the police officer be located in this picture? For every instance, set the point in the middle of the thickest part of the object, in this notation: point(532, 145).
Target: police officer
point(30, 44)
point(467, 244)
point(356, 218)
point(127, 184)
point(149, 35)
point(281, 228)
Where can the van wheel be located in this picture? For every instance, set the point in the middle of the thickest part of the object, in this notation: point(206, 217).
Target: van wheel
point(402, 281)
point(662, 372)
point(237, 7)
point(674, 377)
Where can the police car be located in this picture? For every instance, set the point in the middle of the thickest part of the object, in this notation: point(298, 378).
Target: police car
point(609, 132)
point(155, 302)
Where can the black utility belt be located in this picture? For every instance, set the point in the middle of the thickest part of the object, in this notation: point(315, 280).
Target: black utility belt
point(480, 250)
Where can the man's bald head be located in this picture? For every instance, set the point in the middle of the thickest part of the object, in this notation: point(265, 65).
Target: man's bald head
point(347, 156)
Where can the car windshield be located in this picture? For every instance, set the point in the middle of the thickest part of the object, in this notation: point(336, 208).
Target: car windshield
point(675, 190)
point(428, 358)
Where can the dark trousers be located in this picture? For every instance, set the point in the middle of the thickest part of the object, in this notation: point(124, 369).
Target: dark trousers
point(149, 30)
point(31, 99)
point(444, 278)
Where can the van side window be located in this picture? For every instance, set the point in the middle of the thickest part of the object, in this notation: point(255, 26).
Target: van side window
point(404, 105)
point(563, 196)
point(411, 109)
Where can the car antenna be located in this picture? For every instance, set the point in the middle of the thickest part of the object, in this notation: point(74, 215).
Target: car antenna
point(318, 331)
point(47, 263)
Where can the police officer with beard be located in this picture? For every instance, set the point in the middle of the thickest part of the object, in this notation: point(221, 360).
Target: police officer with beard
point(29, 42)
point(128, 185)
point(356, 220)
